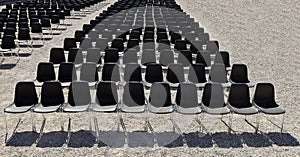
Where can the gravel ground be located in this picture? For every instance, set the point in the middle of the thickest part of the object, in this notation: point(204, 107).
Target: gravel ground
point(262, 34)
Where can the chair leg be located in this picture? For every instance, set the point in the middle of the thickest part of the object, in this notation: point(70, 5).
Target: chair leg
point(282, 123)
point(42, 129)
point(69, 131)
point(96, 129)
point(6, 128)
point(33, 122)
point(257, 122)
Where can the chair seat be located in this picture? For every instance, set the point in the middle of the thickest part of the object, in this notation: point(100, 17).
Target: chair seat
point(133, 109)
point(15, 109)
point(273, 110)
point(42, 109)
point(192, 110)
point(78, 108)
point(106, 108)
point(244, 111)
point(216, 111)
point(153, 109)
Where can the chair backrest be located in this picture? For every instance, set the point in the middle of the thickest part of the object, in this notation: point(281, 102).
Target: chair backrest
point(212, 46)
point(213, 95)
point(107, 93)
point(52, 94)
point(132, 72)
point(264, 95)
point(133, 94)
point(148, 45)
point(69, 43)
point(180, 45)
point(57, 55)
point(148, 56)
point(36, 27)
point(55, 19)
point(203, 57)
point(102, 43)
point(133, 43)
point(8, 42)
point(89, 72)
point(239, 73)
point(86, 43)
point(186, 95)
point(66, 72)
point(196, 46)
point(175, 73)
point(166, 57)
point(218, 74)
point(45, 72)
point(175, 36)
point(24, 34)
point(154, 73)
point(75, 55)
point(130, 56)
point(118, 43)
point(204, 37)
point(239, 96)
point(79, 34)
point(111, 55)
point(25, 94)
point(111, 72)
point(185, 58)
point(79, 93)
point(222, 57)
point(197, 73)
point(93, 55)
point(160, 95)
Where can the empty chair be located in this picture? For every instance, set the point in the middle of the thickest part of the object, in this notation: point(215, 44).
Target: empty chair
point(24, 99)
point(174, 37)
point(111, 72)
point(153, 74)
point(133, 43)
point(212, 46)
point(89, 73)
point(107, 34)
point(79, 97)
point(79, 34)
point(24, 36)
point(213, 99)
point(180, 45)
point(218, 74)
point(132, 72)
point(166, 58)
point(69, 43)
point(185, 58)
point(111, 55)
point(196, 75)
point(130, 56)
point(133, 99)
point(45, 72)
point(239, 74)
point(175, 74)
point(149, 45)
point(57, 56)
point(102, 44)
point(51, 98)
point(264, 100)
point(160, 98)
point(203, 57)
point(187, 99)
point(196, 46)
point(222, 57)
point(239, 100)
point(161, 36)
point(94, 35)
point(86, 43)
point(75, 56)
point(118, 43)
point(107, 98)
point(148, 56)
point(204, 37)
point(135, 35)
point(164, 44)
point(66, 73)
point(93, 55)
point(8, 44)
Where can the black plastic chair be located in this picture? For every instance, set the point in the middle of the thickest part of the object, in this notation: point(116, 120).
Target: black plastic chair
point(66, 73)
point(75, 56)
point(93, 55)
point(57, 56)
point(45, 72)
point(89, 73)
point(107, 98)
point(175, 74)
point(187, 99)
point(153, 74)
point(69, 43)
point(111, 72)
point(160, 98)
point(197, 75)
point(218, 74)
point(133, 99)
point(118, 43)
point(185, 58)
point(132, 72)
point(264, 100)
point(111, 55)
point(239, 74)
